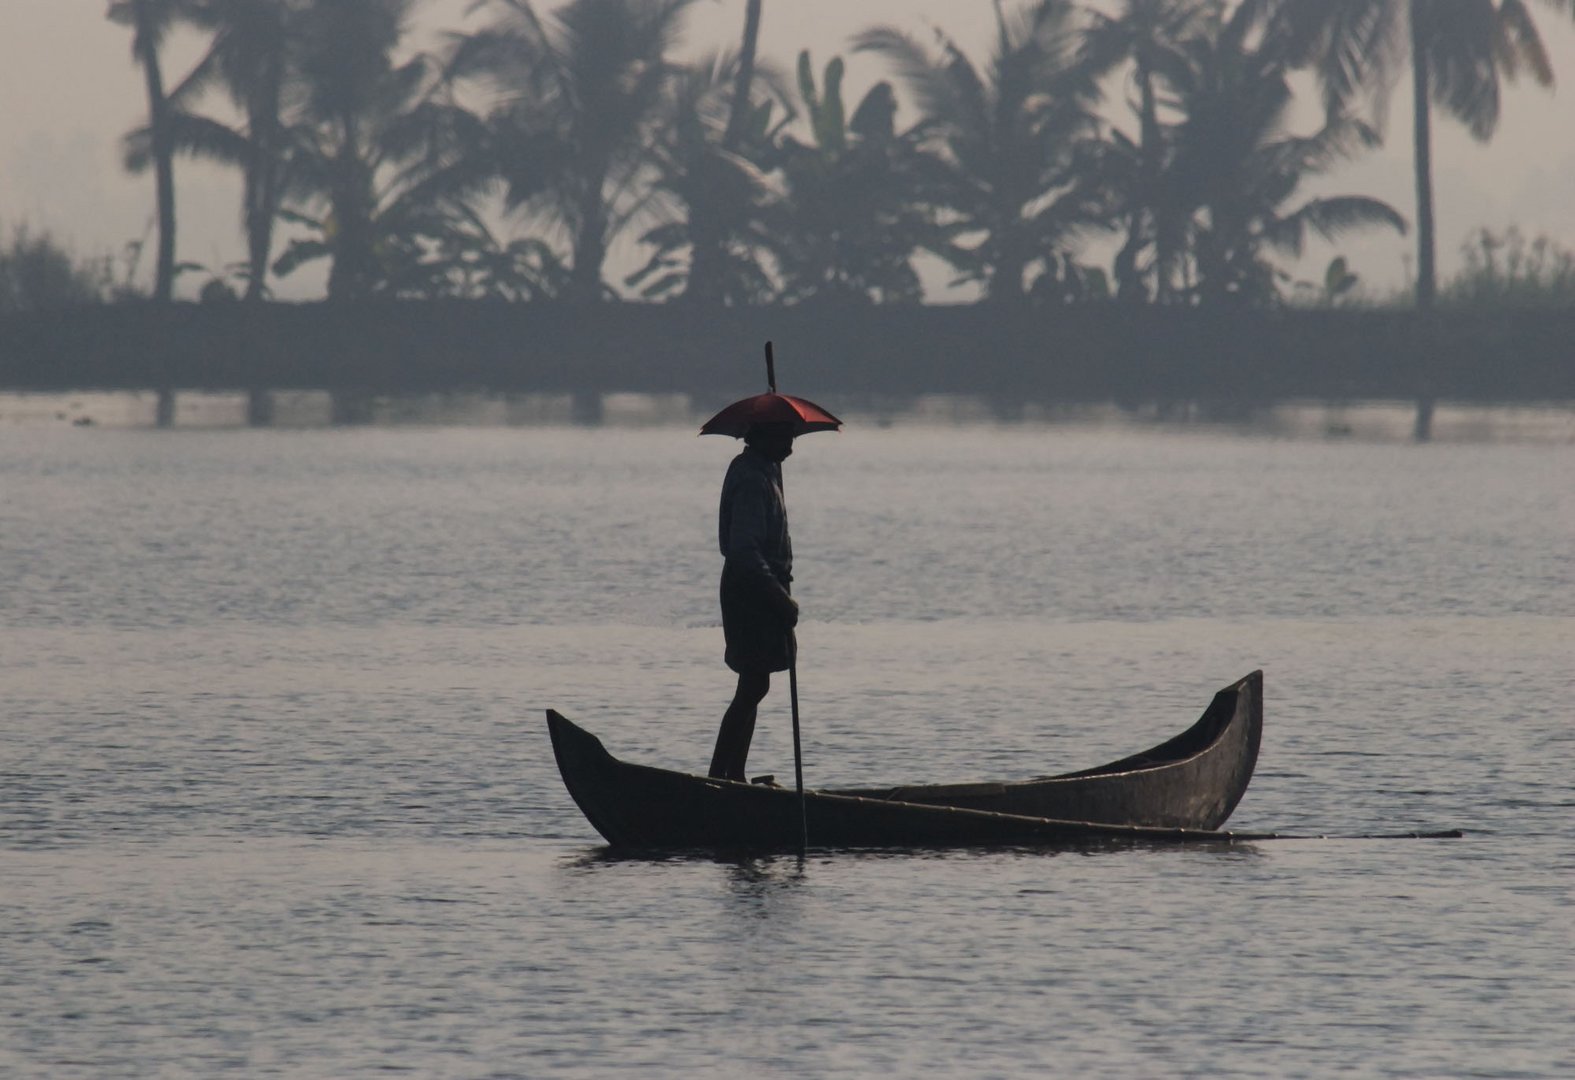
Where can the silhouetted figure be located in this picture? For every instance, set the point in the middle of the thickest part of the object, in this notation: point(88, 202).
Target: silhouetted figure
point(758, 612)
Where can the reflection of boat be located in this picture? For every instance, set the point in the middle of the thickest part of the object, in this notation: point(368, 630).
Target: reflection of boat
point(1178, 791)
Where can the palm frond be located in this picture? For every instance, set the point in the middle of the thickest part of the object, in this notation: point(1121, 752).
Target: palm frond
point(136, 150)
point(209, 140)
point(1353, 46)
point(1518, 43)
point(299, 252)
point(1330, 218)
point(1459, 48)
point(202, 77)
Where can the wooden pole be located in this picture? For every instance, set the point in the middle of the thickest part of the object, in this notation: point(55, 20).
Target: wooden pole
point(798, 746)
point(798, 758)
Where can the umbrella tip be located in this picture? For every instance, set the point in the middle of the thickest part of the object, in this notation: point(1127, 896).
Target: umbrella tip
point(771, 369)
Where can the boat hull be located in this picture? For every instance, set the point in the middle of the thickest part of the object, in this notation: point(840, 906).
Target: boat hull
point(637, 806)
point(1192, 781)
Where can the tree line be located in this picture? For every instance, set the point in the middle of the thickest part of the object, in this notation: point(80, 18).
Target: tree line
point(504, 162)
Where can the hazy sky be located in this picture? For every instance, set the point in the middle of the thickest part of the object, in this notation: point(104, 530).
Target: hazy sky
point(70, 91)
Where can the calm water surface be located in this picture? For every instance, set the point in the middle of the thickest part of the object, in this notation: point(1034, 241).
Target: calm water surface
point(276, 797)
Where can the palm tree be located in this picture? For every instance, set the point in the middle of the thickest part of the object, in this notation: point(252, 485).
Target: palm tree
point(349, 83)
point(151, 22)
point(377, 159)
point(250, 57)
point(1151, 36)
point(710, 185)
point(708, 270)
point(1460, 51)
point(388, 205)
point(738, 115)
point(578, 100)
point(1234, 166)
point(1007, 144)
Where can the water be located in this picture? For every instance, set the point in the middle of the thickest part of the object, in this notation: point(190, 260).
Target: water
point(276, 797)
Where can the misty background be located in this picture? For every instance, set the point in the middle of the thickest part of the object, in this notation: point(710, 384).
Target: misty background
point(73, 91)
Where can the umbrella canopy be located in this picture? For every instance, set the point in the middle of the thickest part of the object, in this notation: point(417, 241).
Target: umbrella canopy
point(737, 418)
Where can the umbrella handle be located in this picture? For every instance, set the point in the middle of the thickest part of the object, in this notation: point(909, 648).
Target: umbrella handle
point(771, 369)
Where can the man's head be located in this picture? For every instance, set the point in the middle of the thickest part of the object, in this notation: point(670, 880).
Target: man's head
point(774, 442)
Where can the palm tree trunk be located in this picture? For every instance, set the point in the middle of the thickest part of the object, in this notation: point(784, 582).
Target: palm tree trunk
point(744, 78)
point(262, 190)
point(262, 204)
point(585, 279)
point(1006, 280)
point(707, 236)
point(1421, 78)
point(259, 401)
point(1145, 209)
point(1129, 283)
point(705, 261)
point(164, 185)
point(590, 246)
point(1426, 272)
point(354, 268)
point(259, 235)
point(164, 172)
point(258, 231)
point(163, 157)
point(585, 286)
point(1012, 253)
point(262, 210)
point(1149, 150)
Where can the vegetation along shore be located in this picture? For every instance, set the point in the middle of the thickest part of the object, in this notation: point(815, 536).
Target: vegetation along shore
point(1120, 189)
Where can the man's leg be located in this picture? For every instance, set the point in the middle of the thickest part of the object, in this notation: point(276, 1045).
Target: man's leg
point(738, 726)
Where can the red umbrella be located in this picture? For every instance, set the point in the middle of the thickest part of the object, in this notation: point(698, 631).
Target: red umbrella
point(736, 419)
point(771, 408)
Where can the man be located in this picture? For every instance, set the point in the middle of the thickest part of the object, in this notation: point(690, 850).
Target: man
point(758, 613)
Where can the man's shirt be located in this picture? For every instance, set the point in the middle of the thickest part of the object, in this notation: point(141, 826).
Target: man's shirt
point(752, 528)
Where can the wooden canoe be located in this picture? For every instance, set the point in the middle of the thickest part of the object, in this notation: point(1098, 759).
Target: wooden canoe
point(637, 806)
point(1192, 781)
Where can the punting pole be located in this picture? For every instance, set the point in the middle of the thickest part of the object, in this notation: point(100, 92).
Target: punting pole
point(798, 760)
point(798, 749)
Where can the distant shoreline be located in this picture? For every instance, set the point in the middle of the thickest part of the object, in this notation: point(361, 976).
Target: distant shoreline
point(1550, 423)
